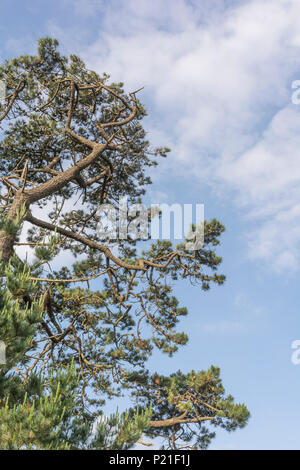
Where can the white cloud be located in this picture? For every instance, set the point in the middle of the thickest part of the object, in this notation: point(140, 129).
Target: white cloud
point(218, 79)
point(267, 178)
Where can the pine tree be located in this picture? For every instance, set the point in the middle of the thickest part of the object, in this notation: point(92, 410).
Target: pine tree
point(83, 333)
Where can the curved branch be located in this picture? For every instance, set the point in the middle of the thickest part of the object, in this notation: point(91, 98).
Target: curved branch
point(19, 88)
point(92, 244)
point(178, 420)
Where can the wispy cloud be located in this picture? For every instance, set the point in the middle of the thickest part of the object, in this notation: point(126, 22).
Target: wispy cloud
point(218, 77)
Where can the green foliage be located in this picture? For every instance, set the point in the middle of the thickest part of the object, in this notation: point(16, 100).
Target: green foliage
point(18, 321)
point(42, 411)
point(191, 400)
point(120, 432)
point(12, 226)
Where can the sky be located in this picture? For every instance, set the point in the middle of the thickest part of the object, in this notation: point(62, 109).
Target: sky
point(219, 82)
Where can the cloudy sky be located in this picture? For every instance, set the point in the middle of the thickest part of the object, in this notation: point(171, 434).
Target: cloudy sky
point(220, 87)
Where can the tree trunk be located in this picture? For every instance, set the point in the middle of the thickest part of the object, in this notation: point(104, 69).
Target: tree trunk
point(7, 240)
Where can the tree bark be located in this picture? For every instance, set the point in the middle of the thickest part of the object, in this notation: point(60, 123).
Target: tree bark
point(7, 240)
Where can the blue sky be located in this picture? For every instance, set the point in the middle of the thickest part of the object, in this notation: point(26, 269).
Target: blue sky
point(217, 78)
